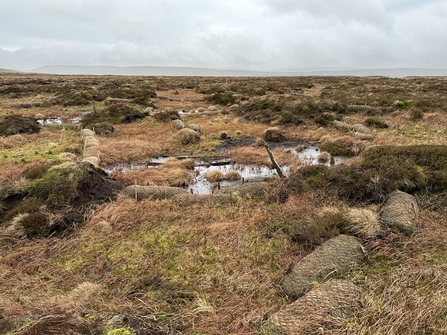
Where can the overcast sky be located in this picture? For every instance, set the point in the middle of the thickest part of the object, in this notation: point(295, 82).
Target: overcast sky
point(224, 34)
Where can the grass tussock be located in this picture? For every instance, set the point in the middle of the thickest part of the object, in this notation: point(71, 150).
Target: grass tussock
point(363, 222)
point(215, 175)
point(187, 136)
point(233, 176)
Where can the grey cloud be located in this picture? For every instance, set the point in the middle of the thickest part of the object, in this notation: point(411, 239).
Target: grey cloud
point(369, 12)
point(235, 50)
point(231, 34)
point(98, 15)
point(398, 6)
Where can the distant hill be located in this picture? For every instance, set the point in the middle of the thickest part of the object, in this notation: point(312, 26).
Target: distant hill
point(189, 71)
point(8, 71)
point(144, 71)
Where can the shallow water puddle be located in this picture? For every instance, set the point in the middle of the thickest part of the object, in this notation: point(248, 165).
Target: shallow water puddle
point(249, 173)
point(308, 156)
point(50, 120)
point(58, 120)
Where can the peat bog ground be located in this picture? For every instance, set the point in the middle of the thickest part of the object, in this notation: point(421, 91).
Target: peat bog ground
point(165, 215)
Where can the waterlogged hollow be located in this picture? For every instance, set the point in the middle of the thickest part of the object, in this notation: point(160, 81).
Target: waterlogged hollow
point(58, 120)
point(249, 173)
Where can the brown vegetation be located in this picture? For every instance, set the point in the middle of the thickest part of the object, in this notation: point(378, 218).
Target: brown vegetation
point(213, 264)
point(259, 156)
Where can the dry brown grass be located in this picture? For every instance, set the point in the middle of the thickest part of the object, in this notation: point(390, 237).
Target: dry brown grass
point(364, 222)
point(12, 141)
point(233, 176)
point(404, 285)
point(324, 157)
point(234, 127)
point(259, 156)
point(137, 141)
point(173, 173)
point(213, 259)
point(250, 156)
point(346, 141)
point(12, 172)
point(215, 175)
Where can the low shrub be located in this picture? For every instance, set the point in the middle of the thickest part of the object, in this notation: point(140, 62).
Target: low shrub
point(101, 128)
point(379, 171)
point(338, 148)
point(290, 118)
point(166, 116)
point(18, 124)
point(375, 123)
point(404, 104)
point(324, 120)
point(104, 120)
point(34, 224)
point(223, 99)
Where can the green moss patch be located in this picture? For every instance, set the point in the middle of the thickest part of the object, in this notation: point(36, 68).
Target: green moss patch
point(71, 184)
point(58, 186)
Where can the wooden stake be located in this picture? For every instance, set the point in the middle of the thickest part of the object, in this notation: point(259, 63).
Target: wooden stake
point(275, 164)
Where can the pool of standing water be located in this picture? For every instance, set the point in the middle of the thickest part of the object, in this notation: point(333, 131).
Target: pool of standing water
point(249, 173)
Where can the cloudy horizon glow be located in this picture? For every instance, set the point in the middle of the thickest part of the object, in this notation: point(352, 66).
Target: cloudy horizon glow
point(266, 35)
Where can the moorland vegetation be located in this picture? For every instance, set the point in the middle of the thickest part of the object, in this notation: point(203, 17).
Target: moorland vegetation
point(81, 255)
